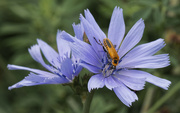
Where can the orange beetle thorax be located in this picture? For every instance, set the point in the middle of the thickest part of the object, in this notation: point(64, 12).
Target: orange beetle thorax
point(111, 51)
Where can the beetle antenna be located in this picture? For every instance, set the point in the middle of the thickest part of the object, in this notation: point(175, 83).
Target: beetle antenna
point(98, 42)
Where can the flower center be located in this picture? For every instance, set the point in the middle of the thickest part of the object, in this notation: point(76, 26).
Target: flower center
point(107, 67)
point(107, 70)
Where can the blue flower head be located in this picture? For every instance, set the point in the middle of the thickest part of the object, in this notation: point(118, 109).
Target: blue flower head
point(124, 78)
point(63, 66)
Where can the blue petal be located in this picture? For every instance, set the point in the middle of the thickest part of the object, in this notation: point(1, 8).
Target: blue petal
point(82, 50)
point(163, 83)
point(117, 27)
point(63, 46)
point(95, 82)
point(86, 53)
point(147, 49)
point(66, 36)
point(37, 71)
point(79, 31)
point(77, 71)
point(50, 54)
point(132, 38)
point(67, 69)
point(156, 61)
point(131, 82)
point(36, 55)
point(125, 95)
point(76, 64)
point(34, 79)
point(110, 83)
point(92, 21)
point(91, 68)
point(92, 33)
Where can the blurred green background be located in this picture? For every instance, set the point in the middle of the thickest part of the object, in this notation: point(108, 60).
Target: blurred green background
point(23, 21)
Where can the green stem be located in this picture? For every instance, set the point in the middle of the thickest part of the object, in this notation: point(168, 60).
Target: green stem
point(147, 100)
point(171, 92)
point(87, 103)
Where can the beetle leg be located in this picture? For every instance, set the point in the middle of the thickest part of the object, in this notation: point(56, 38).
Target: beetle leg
point(108, 56)
point(120, 60)
point(100, 43)
point(112, 67)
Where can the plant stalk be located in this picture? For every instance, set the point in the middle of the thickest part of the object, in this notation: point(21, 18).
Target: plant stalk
point(168, 95)
point(87, 103)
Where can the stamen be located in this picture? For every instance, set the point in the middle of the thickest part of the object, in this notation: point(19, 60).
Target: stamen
point(107, 71)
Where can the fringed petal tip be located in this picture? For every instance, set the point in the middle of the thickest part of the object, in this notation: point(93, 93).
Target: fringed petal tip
point(33, 46)
point(95, 82)
point(130, 103)
point(118, 8)
point(160, 82)
point(111, 87)
point(125, 95)
point(11, 67)
point(141, 20)
point(73, 24)
point(166, 85)
point(81, 17)
point(140, 23)
point(58, 33)
point(94, 87)
point(78, 30)
point(39, 40)
point(86, 11)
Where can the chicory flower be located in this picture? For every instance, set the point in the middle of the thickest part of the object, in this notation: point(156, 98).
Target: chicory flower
point(125, 77)
point(63, 66)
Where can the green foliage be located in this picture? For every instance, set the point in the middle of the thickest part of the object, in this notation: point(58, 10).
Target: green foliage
point(23, 21)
